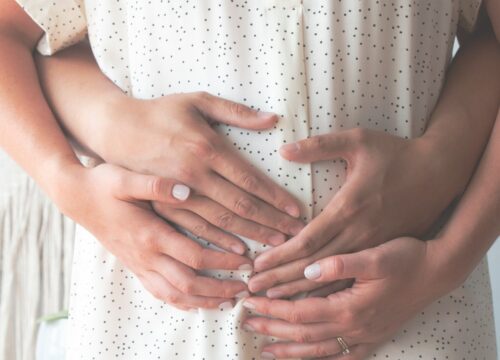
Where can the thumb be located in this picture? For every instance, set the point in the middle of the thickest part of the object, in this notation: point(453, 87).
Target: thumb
point(318, 148)
point(136, 186)
point(339, 267)
point(233, 113)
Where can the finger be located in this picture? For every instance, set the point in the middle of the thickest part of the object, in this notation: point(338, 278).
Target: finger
point(233, 113)
point(292, 288)
point(294, 332)
point(298, 350)
point(321, 147)
point(189, 282)
point(161, 289)
point(234, 168)
point(297, 311)
point(247, 206)
point(224, 219)
point(192, 254)
point(201, 228)
point(135, 186)
point(356, 352)
point(331, 288)
point(361, 264)
point(279, 275)
point(314, 236)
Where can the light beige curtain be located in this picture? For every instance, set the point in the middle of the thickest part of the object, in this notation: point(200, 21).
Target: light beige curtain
point(36, 248)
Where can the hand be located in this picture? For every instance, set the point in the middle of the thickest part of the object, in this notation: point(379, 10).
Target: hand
point(111, 203)
point(392, 284)
point(387, 194)
point(172, 137)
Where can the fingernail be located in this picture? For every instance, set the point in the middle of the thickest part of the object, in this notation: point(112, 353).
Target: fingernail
point(312, 271)
point(180, 192)
point(248, 305)
point(277, 239)
point(242, 294)
point(274, 293)
point(238, 249)
point(292, 210)
point(290, 148)
point(225, 305)
point(248, 327)
point(263, 114)
point(296, 229)
point(246, 267)
point(267, 355)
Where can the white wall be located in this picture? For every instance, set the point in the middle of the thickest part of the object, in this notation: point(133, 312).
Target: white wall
point(494, 261)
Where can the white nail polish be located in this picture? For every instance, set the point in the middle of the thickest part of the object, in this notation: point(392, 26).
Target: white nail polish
point(267, 355)
point(180, 192)
point(246, 267)
point(242, 294)
point(225, 306)
point(248, 305)
point(312, 271)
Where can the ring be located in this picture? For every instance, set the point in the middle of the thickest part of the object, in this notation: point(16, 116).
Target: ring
point(343, 345)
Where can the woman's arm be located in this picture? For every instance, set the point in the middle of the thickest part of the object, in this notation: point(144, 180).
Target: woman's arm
point(393, 282)
point(106, 199)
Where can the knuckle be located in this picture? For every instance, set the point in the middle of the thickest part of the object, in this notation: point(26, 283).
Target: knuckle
point(295, 317)
point(301, 335)
point(225, 220)
point(186, 287)
point(250, 182)
point(201, 95)
point(245, 207)
point(236, 109)
point(171, 298)
point(155, 186)
point(200, 229)
point(319, 143)
point(195, 261)
point(148, 242)
point(321, 350)
point(201, 148)
point(377, 262)
point(184, 174)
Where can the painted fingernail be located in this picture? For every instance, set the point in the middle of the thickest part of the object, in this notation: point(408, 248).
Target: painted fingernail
point(225, 305)
point(292, 210)
point(238, 249)
point(267, 355)
point(180, 192)
point(291, 148)
point(248, 327)
point(277, 239)
point(242, 294)
point(274, 293)
point(264, 114)
point(248, 305)
point(246, 267)
point(312, 271)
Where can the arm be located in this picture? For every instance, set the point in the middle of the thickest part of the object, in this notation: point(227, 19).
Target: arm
point(31, 135)
point(393, 282)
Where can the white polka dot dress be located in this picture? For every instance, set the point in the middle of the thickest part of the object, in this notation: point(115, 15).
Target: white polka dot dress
point(323, 66)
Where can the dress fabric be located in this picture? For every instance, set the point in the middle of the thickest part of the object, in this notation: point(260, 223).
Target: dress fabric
point(323, 66)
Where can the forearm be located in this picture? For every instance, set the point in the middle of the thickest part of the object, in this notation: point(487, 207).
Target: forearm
point(462, 120)
point(85, 100)
point(475, 223)
point(29, 132)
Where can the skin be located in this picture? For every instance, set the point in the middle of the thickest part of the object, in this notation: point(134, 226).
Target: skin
point(384, 171)
point(47, 140)
point(165, 261)
point(367, 314)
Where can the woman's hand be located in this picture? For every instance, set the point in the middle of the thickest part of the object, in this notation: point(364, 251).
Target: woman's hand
point(113, 204)
point(172, 137)
point(392, 283)
point(386, 195)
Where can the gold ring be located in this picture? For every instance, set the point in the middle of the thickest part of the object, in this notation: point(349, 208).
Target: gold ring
point(343, 345)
